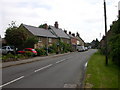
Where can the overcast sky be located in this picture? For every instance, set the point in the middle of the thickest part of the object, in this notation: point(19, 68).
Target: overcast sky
point(83, 16)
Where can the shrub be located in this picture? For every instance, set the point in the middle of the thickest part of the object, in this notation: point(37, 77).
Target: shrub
point(8, 57)
point(28, 54)
point(41, 51)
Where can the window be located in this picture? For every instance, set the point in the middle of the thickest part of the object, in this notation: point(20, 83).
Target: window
point(50, 40)
point(39, 39)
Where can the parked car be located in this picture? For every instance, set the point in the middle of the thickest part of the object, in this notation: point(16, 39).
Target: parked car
point(8, 50)
point(34, 52)
point(80, 48)
point(86, 48)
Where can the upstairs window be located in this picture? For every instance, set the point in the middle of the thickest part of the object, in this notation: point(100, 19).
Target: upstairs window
point(39, 39)
point(50, 40)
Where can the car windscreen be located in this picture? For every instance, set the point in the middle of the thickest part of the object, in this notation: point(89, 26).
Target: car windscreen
point(33, 49)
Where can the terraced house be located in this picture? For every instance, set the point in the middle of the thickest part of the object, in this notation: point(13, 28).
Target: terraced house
point(47, 35)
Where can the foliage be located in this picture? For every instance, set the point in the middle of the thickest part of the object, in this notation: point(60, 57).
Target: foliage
point(41, 51)
point(53, 48)
point(30, 42)
point(8, 57)
point(95, 43)
point(15, 36)
point(28, 54)
point(64, 47)
point(41, 26)
point(114, 42)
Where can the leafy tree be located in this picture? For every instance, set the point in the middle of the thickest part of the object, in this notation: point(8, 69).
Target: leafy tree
point(15, 36)
point(95, 43)
point(114, 42)
point(30, 42)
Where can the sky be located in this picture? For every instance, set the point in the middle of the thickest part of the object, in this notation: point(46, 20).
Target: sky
point(83, 16)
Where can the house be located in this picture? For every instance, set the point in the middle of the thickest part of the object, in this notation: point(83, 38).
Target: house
point(80, 41)
point(73, 40)
point(45, 37)
point(59, 33)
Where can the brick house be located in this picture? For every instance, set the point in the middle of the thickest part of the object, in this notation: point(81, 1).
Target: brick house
point(73, 40)
point(44, 35)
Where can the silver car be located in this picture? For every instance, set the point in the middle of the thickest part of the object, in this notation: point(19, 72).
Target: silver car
point(8, 49)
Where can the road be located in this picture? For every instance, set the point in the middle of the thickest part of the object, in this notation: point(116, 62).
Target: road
point(55, 72)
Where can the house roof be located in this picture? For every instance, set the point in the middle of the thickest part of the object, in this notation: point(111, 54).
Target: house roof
point(71, 36)
point(59, 32)
point(39, 31)
point(78, 37)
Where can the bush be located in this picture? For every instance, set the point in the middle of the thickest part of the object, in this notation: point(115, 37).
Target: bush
point(20, 56)
point(41, 51)
point(28, 54)
point(8, 57)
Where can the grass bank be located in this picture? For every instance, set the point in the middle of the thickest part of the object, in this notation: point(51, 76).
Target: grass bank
point(98, 75)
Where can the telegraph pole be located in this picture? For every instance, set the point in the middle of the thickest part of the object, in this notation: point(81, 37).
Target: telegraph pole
point(106, 48)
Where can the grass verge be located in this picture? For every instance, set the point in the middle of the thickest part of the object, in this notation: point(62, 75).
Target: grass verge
point(98, 75)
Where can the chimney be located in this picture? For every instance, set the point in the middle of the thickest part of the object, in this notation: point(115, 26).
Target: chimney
point(65, 31)
point(56, 25)
point(77, 34)
point(73, 34)
point(70, 32)
point(45, 26)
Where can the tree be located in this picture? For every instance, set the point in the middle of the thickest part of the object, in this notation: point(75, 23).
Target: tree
point(15, 36)
point(95, 43)
point(114, 42)
point(30, 42)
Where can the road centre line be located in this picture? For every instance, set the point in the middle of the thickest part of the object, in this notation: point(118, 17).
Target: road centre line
point(11, 81)
point(61, 60)
point(34, 71)
point(43, 68)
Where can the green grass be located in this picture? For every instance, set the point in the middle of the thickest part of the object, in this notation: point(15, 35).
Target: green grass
point(98, 75)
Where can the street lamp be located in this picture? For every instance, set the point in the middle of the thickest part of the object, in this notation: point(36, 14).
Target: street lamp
point(106, 49)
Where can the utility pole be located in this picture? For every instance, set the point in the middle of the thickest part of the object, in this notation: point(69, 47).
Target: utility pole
point(47, 46)
point(106, 48)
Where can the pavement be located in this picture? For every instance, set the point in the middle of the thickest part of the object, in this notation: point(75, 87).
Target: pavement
point(34, 59)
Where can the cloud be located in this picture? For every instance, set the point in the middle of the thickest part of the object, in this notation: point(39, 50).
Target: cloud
point(84, 16)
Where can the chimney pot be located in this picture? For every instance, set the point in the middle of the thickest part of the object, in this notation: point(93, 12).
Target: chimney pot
point(73, 34)
point(70, 32)
point(56, 25)
point(45, 26)
point(65, 31)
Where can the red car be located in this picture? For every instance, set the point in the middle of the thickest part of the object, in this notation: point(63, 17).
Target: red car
point(26, 50)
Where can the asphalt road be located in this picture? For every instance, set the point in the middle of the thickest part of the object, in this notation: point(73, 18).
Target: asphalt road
point(58, 72)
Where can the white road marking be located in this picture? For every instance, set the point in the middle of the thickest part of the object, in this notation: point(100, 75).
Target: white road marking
point(11, 81)
point(61, 61)
point(86, 64)
point(70, 85)
point(43, 68)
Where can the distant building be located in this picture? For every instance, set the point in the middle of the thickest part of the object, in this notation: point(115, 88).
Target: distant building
point(73, 40)
point(80, 41)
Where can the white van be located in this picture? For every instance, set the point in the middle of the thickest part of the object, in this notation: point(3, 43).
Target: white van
point(80, 48)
